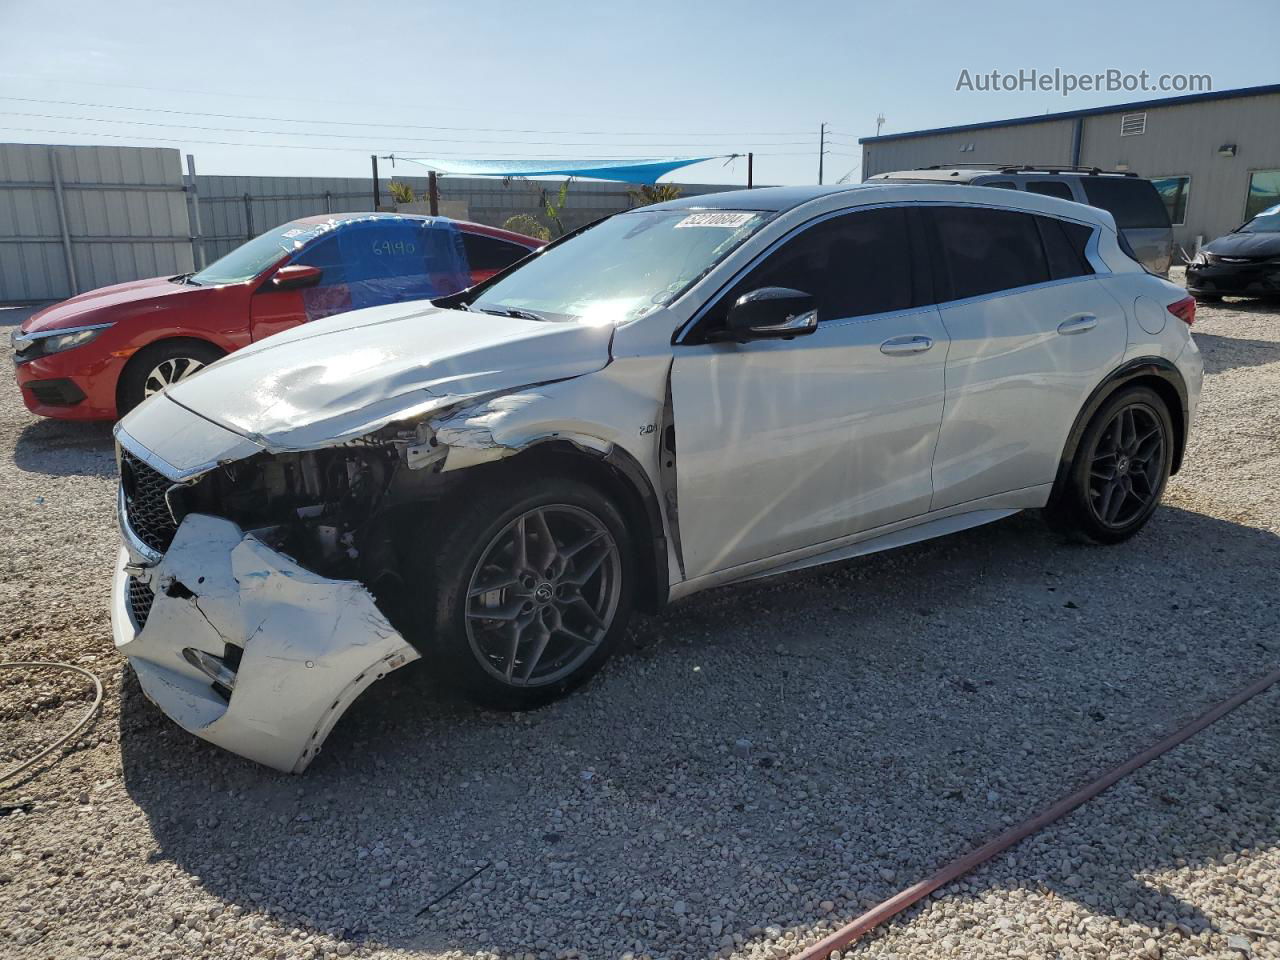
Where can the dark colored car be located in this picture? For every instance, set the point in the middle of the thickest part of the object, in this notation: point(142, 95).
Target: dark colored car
point(100, 354)
point(1244, 263)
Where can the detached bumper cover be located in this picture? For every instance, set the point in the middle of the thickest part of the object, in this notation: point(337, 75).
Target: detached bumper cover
point(310, 645)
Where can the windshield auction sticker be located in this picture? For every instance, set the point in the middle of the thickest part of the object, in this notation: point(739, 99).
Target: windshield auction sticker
point(730, 220)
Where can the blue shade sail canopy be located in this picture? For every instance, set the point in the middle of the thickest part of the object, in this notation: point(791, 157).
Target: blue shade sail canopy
point(623, 171)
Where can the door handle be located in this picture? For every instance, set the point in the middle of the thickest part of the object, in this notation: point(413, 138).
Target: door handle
point(904, 345)
point(1080, 324)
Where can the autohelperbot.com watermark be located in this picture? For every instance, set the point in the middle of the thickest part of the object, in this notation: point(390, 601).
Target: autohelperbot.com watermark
point(1065, 82)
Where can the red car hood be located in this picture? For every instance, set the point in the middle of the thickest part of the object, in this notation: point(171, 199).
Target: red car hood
point(105, 304)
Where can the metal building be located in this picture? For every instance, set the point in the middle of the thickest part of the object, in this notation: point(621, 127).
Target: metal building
point(1215, 157)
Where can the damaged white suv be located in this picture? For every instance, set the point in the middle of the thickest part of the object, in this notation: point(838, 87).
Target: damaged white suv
point(681, 396)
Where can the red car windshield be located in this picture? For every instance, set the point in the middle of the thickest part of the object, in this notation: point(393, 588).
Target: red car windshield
point(249, 259)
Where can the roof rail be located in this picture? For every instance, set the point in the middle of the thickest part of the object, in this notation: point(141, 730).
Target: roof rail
point(1066, 168)
point(961, 166)
point(1031, 168)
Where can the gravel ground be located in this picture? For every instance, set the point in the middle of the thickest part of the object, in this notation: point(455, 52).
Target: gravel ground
point(764, 763)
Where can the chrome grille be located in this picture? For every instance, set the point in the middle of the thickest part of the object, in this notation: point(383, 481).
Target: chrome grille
point(140, 600)
point(146, 510)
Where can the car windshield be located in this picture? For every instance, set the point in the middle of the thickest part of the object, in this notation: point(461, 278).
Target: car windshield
point(1263, 223)
point(249, 259)
point(623, 268)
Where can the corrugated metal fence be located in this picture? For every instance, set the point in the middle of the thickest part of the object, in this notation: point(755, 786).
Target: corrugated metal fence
point(233, 209)
point(76, 218)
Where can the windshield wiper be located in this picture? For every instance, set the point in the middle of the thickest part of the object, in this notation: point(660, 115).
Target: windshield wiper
point(515, 312)
point(185, 278)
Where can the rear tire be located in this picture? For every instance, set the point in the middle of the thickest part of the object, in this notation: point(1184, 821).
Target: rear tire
point(160, 364)
point(1119, 470)
point(551, 559)
point(1208, 297)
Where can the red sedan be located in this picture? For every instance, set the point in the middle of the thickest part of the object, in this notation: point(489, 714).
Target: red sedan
point(99, 354)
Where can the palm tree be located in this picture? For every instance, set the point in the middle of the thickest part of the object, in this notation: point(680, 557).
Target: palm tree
point(648, 193)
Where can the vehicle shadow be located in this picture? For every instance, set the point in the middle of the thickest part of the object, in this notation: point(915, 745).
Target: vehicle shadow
point(65, 448)
point(1255, 305)
point(900, 709)
point(1226, 353)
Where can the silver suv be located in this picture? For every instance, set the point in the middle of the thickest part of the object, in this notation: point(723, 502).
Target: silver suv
point(1139, 212)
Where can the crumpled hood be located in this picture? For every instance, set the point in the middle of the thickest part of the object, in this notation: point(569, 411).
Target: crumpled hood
point(1245, 245)
point(106, 304)
point(346, 375)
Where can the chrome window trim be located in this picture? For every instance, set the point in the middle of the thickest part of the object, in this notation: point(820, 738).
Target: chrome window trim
point(1012, 291)
point(874, 317)
point(1091, 252)
point(1100, 268)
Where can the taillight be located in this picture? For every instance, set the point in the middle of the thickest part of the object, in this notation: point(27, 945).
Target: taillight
point(1184, 310)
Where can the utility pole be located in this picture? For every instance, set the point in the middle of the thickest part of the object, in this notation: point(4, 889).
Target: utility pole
point(377, 189)
point(822, 149)
point(433, 194)
point(750, 158)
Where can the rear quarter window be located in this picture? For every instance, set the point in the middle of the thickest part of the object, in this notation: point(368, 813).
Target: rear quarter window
point(1051, 188)
point(1134, 203)
point(1064, 247)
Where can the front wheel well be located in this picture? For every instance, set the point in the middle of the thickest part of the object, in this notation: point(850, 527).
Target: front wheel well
point(615, 474)
point(141, 355)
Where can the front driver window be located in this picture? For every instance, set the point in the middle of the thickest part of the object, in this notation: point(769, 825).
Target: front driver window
point(854, 265)
point(368, 263)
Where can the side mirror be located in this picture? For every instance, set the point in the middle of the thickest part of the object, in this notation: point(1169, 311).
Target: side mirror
point(296, 276)
point(771, 313)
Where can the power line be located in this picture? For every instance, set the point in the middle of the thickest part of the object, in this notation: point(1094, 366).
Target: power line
point(401, 153)
point(350, 136)
point(398, 126)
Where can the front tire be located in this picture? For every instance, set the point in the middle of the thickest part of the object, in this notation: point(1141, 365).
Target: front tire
point(1120, 469)
point(530, 589)
point(159, 365)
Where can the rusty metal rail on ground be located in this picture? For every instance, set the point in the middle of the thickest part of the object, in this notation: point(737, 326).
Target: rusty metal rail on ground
point(888, 909)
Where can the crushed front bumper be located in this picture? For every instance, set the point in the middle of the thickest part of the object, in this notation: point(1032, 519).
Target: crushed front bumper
point(292, 649)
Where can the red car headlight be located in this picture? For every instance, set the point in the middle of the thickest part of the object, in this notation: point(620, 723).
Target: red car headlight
point(31, 346)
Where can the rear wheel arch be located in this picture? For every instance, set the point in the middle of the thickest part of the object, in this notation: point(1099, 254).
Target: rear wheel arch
point(1158, 374)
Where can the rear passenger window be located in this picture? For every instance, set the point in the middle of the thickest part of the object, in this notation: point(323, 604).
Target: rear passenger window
point(1000, 184)
point(854, 265)
point(490, 253)
point(1051, 188)
point(1134, 203)
point(1064, 246)
point(986, 251)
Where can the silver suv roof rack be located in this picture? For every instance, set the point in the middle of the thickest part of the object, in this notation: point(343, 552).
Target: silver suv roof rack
point(1050, 168)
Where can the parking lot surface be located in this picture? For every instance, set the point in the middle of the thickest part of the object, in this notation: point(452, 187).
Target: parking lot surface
point(762, 764)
